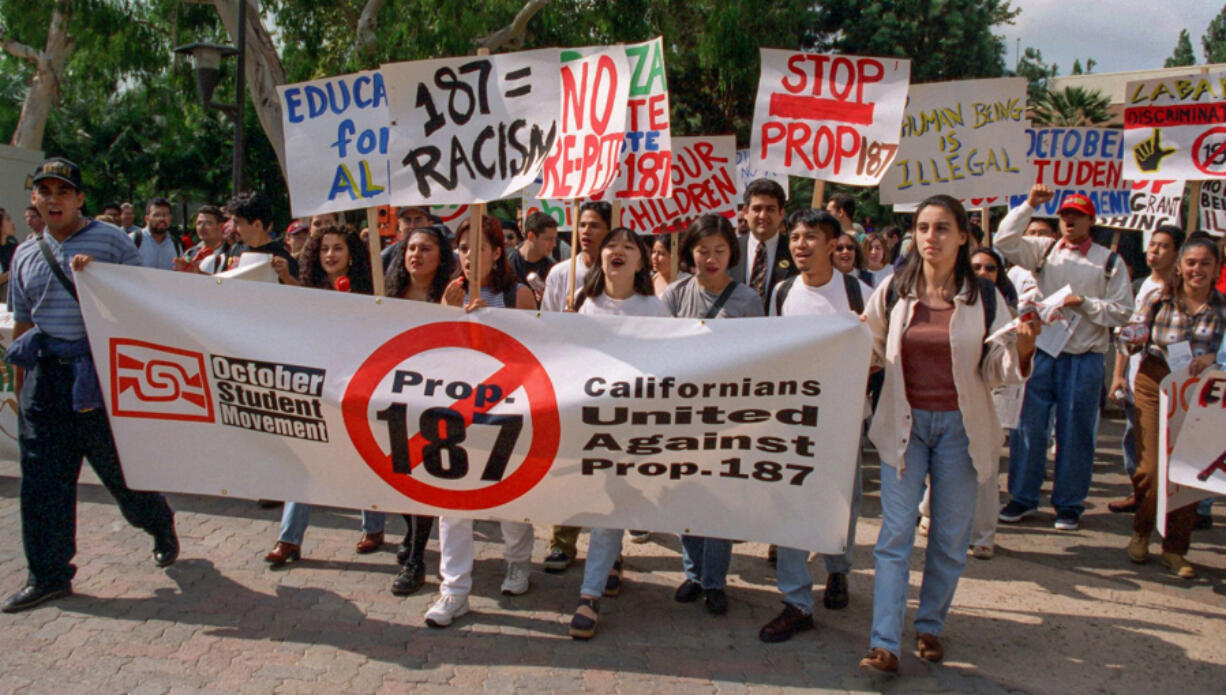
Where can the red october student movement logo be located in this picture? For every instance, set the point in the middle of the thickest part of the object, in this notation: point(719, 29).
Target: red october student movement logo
point(158, 382)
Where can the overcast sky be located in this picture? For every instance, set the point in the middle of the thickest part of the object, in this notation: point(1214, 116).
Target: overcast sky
point(1118, 34)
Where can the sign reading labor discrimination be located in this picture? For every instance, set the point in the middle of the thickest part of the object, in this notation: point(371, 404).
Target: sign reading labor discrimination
point(587, 150)
point(1088, 161)
point(703, 180)
point(748, 171)
point(965, 138)
point(336, 143)
point(1175, 128)
point(829, 117)
point(470, 130)
point(1195, 466)
point(1151, 205)
point(1213, 207)
point(556, 418)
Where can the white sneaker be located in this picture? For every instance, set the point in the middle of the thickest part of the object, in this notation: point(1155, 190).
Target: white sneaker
point(446, 608)
point(516, 581)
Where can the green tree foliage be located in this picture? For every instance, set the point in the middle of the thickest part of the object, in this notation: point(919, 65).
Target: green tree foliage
point(1214, 39)
point(1183, 54)
point(1071, 106)
point(1036, 71)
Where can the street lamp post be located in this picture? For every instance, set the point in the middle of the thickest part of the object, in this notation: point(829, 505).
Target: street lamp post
point(206, 59)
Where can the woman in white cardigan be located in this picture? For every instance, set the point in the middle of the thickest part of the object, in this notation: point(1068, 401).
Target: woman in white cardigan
point(935, 418)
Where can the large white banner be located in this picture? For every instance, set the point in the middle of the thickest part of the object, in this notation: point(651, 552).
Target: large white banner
point(1175, 128)
point(336, 143)
point(676, 425)
point(965, 138)
point(470, 130)
point(829, 117)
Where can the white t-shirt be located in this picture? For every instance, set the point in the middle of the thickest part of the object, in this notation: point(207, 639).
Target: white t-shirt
point(830, 298)
point(634, 305)
point(879, 276)
point(1148, 288)
point(558, 281)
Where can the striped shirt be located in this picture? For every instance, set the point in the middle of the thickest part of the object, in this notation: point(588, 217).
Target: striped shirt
point(38, 297)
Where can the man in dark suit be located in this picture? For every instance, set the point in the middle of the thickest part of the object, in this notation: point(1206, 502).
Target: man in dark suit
point(765, 259)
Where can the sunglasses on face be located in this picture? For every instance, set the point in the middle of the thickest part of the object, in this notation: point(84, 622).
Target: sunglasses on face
point(844, 248)
point(986, 267)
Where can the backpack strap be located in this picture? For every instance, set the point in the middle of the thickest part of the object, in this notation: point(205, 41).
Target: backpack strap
point(722, 300)
point(137, 237)
point(855, 296)
point(56, 269)
point(579, 299)
point(1110, 265)
point(781, 294)
point(987, 295)
point(1051, 246)
point(508, 296)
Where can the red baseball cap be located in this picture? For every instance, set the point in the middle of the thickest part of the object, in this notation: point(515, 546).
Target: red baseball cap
point(295, 227)
point(1079, 203)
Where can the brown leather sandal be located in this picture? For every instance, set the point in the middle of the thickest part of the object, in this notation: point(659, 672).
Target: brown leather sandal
point(879, 660)
point(929, 647)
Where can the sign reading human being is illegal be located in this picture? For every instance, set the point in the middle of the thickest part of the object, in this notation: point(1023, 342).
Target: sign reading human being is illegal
point(556, 418)
point(829, 117)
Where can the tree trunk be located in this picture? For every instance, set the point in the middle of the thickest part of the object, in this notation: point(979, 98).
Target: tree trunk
point(45, 85)
point(366, 41)
point(264, 70)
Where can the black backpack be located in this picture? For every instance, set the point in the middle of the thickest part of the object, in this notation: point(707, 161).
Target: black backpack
point(138, 238)
point(855, 297)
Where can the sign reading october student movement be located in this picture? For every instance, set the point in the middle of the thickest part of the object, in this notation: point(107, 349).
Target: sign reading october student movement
point(1079, 160)
point(965, 138)
point(1175, 128)
point(587, 150)
point(829, 117)
point(703, 180)
point(336, 143)
point(472, 129)
point(607, 421)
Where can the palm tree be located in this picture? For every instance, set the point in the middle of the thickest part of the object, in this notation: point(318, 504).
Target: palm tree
point(1071, 107)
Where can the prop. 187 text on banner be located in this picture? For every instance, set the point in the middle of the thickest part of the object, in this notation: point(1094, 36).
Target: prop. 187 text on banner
point(674, 425)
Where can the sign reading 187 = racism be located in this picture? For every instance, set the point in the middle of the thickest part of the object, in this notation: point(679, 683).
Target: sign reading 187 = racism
point(1175, 128)
point(609, 421)
point(470, 130)
point(703, 180)
point(336, 143)
point(829, 117)
point(1088, 161)
point(964, 138)
point(587, 150)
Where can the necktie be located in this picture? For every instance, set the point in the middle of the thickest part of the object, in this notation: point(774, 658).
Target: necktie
point(757, 278)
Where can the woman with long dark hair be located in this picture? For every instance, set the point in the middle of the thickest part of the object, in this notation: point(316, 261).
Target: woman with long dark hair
point(499, 288)
point(935, 419)
point(1189, 315)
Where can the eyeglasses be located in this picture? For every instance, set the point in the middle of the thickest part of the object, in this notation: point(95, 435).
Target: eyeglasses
point(986, 267)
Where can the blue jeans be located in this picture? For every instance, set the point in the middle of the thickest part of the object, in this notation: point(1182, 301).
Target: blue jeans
point(604, 547)
point(1205, 506)
point(1127, 444)
point(1071, 384)
point(706, 560)
point(938, 449)
point(792, 574)
point(297, 515)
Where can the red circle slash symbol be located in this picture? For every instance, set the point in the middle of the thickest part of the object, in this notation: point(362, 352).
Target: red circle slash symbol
point(520, 369)
point(1209, 151)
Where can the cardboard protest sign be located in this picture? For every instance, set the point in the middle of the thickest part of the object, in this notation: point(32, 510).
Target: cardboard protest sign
point(1150, 205)
point(336, 143)
point(647, 151)
point(560, 210)
point(1192, 461)
point(1213, 207)
point(970, 204)
point(1079, 160)
point(1175, 400)
point(965, 138)
point(9, 451)
point(703, 180)
point(1175, 128)
point(747, 171)
point(472, 129)
point(586, 153)
point(829, 117)
point(606, 421)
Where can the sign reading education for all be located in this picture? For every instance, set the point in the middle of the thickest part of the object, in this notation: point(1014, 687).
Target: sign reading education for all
point(829, 117)
point(1079, 160)
point(473, 129)
point(965, 138)
point(557, 418)
point(584, 158)
point(336, 143)
point(703, 180)
point(1175, 128)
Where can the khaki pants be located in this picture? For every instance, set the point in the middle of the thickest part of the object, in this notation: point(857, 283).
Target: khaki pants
point(1145, 480)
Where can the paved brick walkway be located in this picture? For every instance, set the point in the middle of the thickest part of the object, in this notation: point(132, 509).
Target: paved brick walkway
point(1052, 613)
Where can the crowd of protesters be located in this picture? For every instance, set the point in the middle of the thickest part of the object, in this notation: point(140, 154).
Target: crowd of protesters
point(928, 296)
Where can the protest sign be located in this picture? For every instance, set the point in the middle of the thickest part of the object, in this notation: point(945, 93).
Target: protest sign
point(450, 215)
point(830, 117)
point(970, 204)
point(1175, 128)
point(647, 151)
point(8, 398)
point(1079, 160)
point(554, 418)
point(336, 143)
point(1196, 465)
point(559, 210)
point(1175, 399)
point(1213, 207)
point(1150, 205)
point(747, 172)
point(703, 180)
point(473, 129)
point(965, 138)
point(585, 155)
